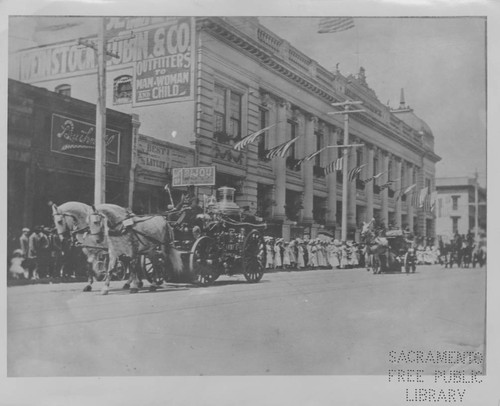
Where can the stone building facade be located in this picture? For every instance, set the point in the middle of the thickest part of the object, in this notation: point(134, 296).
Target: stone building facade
point(245, 78)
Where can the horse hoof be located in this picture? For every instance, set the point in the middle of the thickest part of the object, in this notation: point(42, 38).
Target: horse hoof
point(140, 284)
point(153, 288)
point(126, 286)
point(87, 288)
point(134, 290)
point(105, 292)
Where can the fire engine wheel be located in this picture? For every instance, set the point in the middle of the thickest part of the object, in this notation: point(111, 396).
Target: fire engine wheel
point(254, 257)
point(153, 269)
point(202, 262)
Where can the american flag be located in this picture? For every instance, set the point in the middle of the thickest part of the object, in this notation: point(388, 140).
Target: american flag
point(335, 24)
point(423, 194)
point(251, 138)
point(354, 172)
point(386, 185)
point(281, 150)
point(415, 198)
point(334, 166)
point(378, 175)
point(310, 156)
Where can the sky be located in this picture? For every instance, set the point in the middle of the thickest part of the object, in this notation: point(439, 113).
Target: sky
point(439, 62)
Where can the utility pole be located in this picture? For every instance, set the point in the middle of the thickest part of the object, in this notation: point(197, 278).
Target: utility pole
point(345, 152)
point(476, 208)
point(100, 119)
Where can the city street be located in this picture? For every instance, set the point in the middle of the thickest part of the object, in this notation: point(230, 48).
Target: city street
point(318, 322)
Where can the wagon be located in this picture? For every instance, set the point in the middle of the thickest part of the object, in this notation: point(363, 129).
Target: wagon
point(395, 253)
point(220, 240)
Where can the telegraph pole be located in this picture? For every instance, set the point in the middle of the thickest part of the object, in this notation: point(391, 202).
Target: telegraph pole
point(476, 208)
point(100, 119)
point(345, 152)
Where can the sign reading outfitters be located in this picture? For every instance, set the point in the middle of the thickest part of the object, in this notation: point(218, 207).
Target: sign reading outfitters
point(74, 137)
point(167, 73)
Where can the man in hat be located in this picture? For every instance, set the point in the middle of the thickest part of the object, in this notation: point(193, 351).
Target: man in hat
point(38, 244)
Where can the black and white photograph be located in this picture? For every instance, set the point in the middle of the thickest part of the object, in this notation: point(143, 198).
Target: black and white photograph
point(201, 204)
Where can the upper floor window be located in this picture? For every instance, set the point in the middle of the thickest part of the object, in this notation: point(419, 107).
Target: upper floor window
point(122, 89)
point(63, 89)
point(454, 202)
point(227, 114)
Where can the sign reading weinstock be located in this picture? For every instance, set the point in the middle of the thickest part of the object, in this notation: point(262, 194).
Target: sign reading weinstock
point(74, 137)
point(157, 50)
point(197, 176)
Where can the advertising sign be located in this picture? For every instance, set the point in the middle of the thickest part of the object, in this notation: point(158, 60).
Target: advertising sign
point(158, 50)
point(74, 137)
point(198, 176)
point(166, 71)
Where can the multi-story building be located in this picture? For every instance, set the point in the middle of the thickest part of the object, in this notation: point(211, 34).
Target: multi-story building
point(202, 84)
point(456, 206)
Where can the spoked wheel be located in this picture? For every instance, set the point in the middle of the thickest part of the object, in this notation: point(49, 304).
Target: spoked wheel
point(202, 262)
point(254, 257)
point(153, 268)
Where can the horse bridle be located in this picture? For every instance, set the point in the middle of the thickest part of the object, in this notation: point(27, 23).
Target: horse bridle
point(67, 232)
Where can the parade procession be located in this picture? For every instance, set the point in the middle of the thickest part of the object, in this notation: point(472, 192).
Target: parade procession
point(187, 158)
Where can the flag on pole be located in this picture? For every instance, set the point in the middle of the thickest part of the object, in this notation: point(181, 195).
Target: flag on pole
point(310, 156)
point(335, 24)
point(281, 150)
point(251, 138)
point(433, 200)
point(334, 166)
point(386, 185)
point(415, 198)
point(354, 172)
point(404, 190)
point(378, 175)
point(421, 198)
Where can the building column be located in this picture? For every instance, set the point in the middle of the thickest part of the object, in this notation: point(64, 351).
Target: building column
point(309, 144)
point(384, 197)
point(409, 198)
point(421, 214)
point(279, 164)
point(369, 186)
point(351, 194)
point(331, 180)
point(398, 185)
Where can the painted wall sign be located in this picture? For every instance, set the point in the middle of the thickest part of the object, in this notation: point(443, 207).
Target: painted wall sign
point(155, 157)
point(74, 137)
point(198, 176)
point(160, 53)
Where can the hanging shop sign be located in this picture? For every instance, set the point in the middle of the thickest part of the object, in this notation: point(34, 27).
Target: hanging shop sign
point(198, 176)
point(74, 137)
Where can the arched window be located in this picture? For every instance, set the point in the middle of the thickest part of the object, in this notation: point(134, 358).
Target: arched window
point(64, 89)
point(122, 89)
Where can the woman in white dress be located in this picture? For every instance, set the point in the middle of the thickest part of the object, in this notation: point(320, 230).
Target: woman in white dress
point(269, 255)
point(286, 255)
point(300, 255)
point(312, 250)
point(320, 253)
point(292, 252)
point(277, 253)
point(333, 255)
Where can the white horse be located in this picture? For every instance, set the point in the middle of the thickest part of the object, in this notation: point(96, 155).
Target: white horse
point(129, 236)
point(376, 248)
point(70, 220)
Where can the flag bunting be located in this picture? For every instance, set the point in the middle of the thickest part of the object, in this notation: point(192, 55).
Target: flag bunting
point(335, 24)
point(251, 138)
point(334, 166)
point(281, 150)
point(373, 178)
point(423, 194)
point(354, 172)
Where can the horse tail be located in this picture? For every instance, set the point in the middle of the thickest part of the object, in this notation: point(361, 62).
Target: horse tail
point(175, 259)
point(173, 254)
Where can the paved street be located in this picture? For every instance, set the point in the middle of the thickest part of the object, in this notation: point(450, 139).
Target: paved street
point(318, 322)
